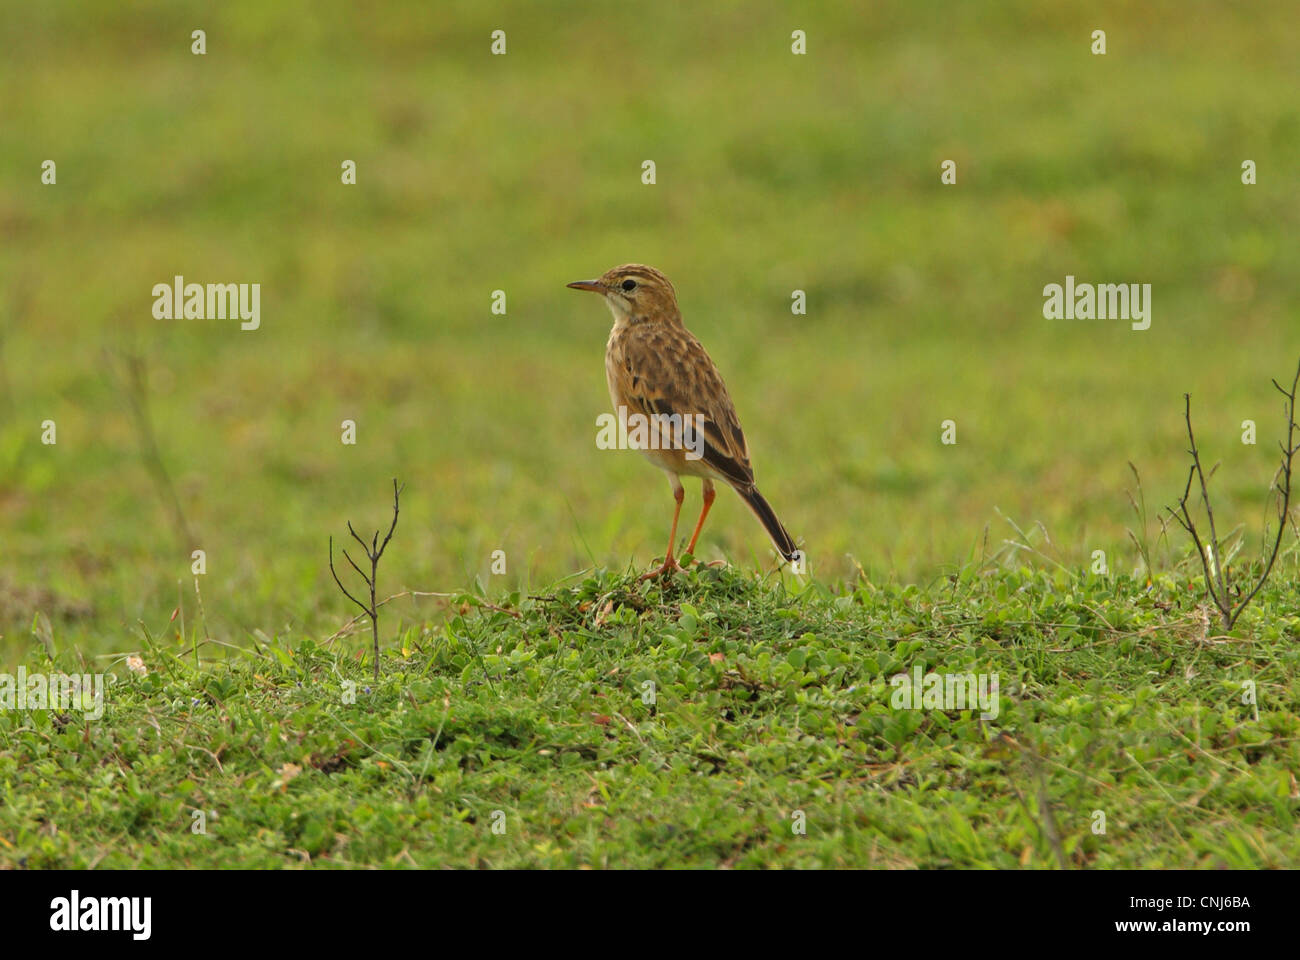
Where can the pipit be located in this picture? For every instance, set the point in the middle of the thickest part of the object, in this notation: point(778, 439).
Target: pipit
point(661, 378)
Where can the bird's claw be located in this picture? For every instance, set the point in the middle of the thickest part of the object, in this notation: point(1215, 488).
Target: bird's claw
point(669, 564)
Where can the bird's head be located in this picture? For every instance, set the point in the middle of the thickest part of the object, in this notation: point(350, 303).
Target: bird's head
point(635, 292)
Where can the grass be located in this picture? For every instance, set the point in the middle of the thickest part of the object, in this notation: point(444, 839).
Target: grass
point(608, 723)
point(519, 173)
point(522, 172)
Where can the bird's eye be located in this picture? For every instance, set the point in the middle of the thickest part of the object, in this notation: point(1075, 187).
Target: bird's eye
point(629, 285)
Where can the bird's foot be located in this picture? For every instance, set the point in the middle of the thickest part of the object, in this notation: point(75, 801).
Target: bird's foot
point(670, 564)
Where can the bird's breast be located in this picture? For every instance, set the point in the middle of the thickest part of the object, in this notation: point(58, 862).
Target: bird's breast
point(614, 357)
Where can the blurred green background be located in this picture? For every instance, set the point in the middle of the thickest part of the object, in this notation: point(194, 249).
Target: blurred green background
point(521, 172)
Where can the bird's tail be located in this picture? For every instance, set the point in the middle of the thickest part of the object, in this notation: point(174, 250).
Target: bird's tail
point(781, 538)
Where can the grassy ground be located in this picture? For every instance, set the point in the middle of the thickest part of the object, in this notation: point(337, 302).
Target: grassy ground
point(522, 172)
point(519, 173)
point(768, 700)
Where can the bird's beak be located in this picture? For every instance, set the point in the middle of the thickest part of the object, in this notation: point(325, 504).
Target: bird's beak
point(595, 286)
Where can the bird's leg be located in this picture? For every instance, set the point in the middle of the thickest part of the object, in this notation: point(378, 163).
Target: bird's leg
point(709, 494)
point(670, 563)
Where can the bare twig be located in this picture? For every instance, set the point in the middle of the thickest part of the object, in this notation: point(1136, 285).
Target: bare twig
point(1199, 472)
point(1284, 471)
point(1139, 504)
point(1227, 597)
point(343, 630)
point(374, 550)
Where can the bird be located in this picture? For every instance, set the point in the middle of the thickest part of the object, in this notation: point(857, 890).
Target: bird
point(659, 372)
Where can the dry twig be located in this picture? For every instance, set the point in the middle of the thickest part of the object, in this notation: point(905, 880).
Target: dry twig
point(1227, 597)
point(373, 550)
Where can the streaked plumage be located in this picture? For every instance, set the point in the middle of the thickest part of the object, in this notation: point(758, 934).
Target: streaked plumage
point(655, 366)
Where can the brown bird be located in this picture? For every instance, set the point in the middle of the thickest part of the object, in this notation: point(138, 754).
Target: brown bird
point(671, 401)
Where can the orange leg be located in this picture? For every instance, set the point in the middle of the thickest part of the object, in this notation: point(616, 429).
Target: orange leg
point(679, 494)
point(709, 494)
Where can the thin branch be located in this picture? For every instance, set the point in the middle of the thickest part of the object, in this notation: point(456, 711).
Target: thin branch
point(340, 582)
point(397, 596)
point(1284, 508)
point(1205, 495)
point(1222, 596)
point(361, 573)
point(373, 552)
point(397, 492)
point(1186, 522)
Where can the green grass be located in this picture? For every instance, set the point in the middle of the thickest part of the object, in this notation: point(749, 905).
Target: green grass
point(768, 698)
point(775, 173)
point(521, 173)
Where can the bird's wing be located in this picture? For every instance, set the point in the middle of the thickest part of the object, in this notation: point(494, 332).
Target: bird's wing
point(667, 371)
